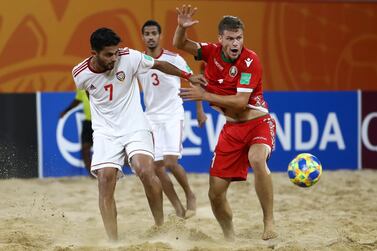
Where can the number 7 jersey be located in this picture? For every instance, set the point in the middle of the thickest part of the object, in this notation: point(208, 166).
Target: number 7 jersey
point(114, 95)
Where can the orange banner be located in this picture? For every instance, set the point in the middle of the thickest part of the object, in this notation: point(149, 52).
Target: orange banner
point(302, 46)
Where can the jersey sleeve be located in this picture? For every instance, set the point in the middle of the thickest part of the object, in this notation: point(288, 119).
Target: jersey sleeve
point(79, 84)
point(142, 61)
point(251, 75)
point(205, 50)
point(182, 65)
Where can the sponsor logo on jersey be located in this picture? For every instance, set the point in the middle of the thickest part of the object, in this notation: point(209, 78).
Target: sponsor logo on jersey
point(233, 71)
point(248, 61)
point(245, 78)
point(120, 75)
point(92, 87)
point(218, 65)
point(220, 81)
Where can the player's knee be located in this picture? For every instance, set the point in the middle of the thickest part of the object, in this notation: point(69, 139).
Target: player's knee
point(105, 178)
point(145, 173)
point(141, 162)
point(215, 197)
point(257, 161)
point(159, 170)
point(105, 184)
point(171, 164)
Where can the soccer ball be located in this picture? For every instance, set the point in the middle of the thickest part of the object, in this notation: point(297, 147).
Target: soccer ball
point(304, 170)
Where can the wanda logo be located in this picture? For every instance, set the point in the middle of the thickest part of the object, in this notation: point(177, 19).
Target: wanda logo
point(66, 146)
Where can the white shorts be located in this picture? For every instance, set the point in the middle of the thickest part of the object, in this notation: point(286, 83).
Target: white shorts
point(167, 137)
point(111, 151)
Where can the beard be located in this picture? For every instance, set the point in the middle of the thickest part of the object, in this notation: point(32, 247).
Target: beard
point(152, 47)
point(107, 67)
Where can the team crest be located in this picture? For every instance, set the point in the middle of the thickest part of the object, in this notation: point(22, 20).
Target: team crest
point(120, 75)
point(233, 71)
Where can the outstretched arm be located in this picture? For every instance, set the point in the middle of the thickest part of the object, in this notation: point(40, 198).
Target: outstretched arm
point(238, 101)
point(180, 40)
point(170, 69)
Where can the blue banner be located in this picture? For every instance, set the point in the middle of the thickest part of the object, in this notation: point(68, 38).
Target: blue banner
point(61, 144)
point(324, 124)
point(199, 143)
point(321, 123)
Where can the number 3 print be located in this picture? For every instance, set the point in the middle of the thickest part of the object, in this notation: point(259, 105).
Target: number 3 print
point(156, 81)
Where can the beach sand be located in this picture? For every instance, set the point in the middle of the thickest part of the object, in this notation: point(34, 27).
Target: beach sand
point(338, 213)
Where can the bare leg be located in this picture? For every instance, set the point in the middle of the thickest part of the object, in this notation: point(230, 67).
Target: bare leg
point(168, 188)
point(263, 186)
point(86, 155)
point(171, 163)
point(106, 187)
point(143, 166)
point(220, 206)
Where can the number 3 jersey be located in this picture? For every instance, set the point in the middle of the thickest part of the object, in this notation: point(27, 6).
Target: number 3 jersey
point(161, 90)
point(114, 95)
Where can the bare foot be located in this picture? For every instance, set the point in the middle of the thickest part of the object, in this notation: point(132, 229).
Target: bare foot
point(267, 235)
point(189, 214)
point(229, 235)
point(269, 232)
point(112, 240)
point(153, 231)
point(191, 202)
point(180, 212)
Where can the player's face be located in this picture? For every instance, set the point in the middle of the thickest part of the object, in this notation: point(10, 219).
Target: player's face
point(151, 37)
point(232, 42)
point(107, 57)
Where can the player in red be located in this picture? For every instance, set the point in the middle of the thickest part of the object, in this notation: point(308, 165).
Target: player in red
point(234, 76)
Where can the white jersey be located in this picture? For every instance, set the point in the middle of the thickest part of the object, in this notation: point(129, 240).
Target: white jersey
point(114, 95)
point(161, 90)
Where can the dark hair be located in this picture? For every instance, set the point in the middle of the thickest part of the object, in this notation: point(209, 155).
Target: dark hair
point(230, 23)
point(151, 22)
point(103, 37)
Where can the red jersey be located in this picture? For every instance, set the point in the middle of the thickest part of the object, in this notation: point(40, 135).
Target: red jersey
point(226, 77)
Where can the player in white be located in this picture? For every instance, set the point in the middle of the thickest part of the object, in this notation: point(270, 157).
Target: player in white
point(165, 113)
point(118, 121)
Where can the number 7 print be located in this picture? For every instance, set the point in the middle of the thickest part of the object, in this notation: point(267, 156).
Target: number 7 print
point(110, 88)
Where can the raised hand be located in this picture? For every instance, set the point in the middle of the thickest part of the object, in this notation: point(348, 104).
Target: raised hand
point(185, 14)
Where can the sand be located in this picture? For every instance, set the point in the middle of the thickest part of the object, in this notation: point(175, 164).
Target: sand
point(338, 213)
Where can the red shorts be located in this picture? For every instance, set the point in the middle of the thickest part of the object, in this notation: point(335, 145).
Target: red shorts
point(230, 158)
